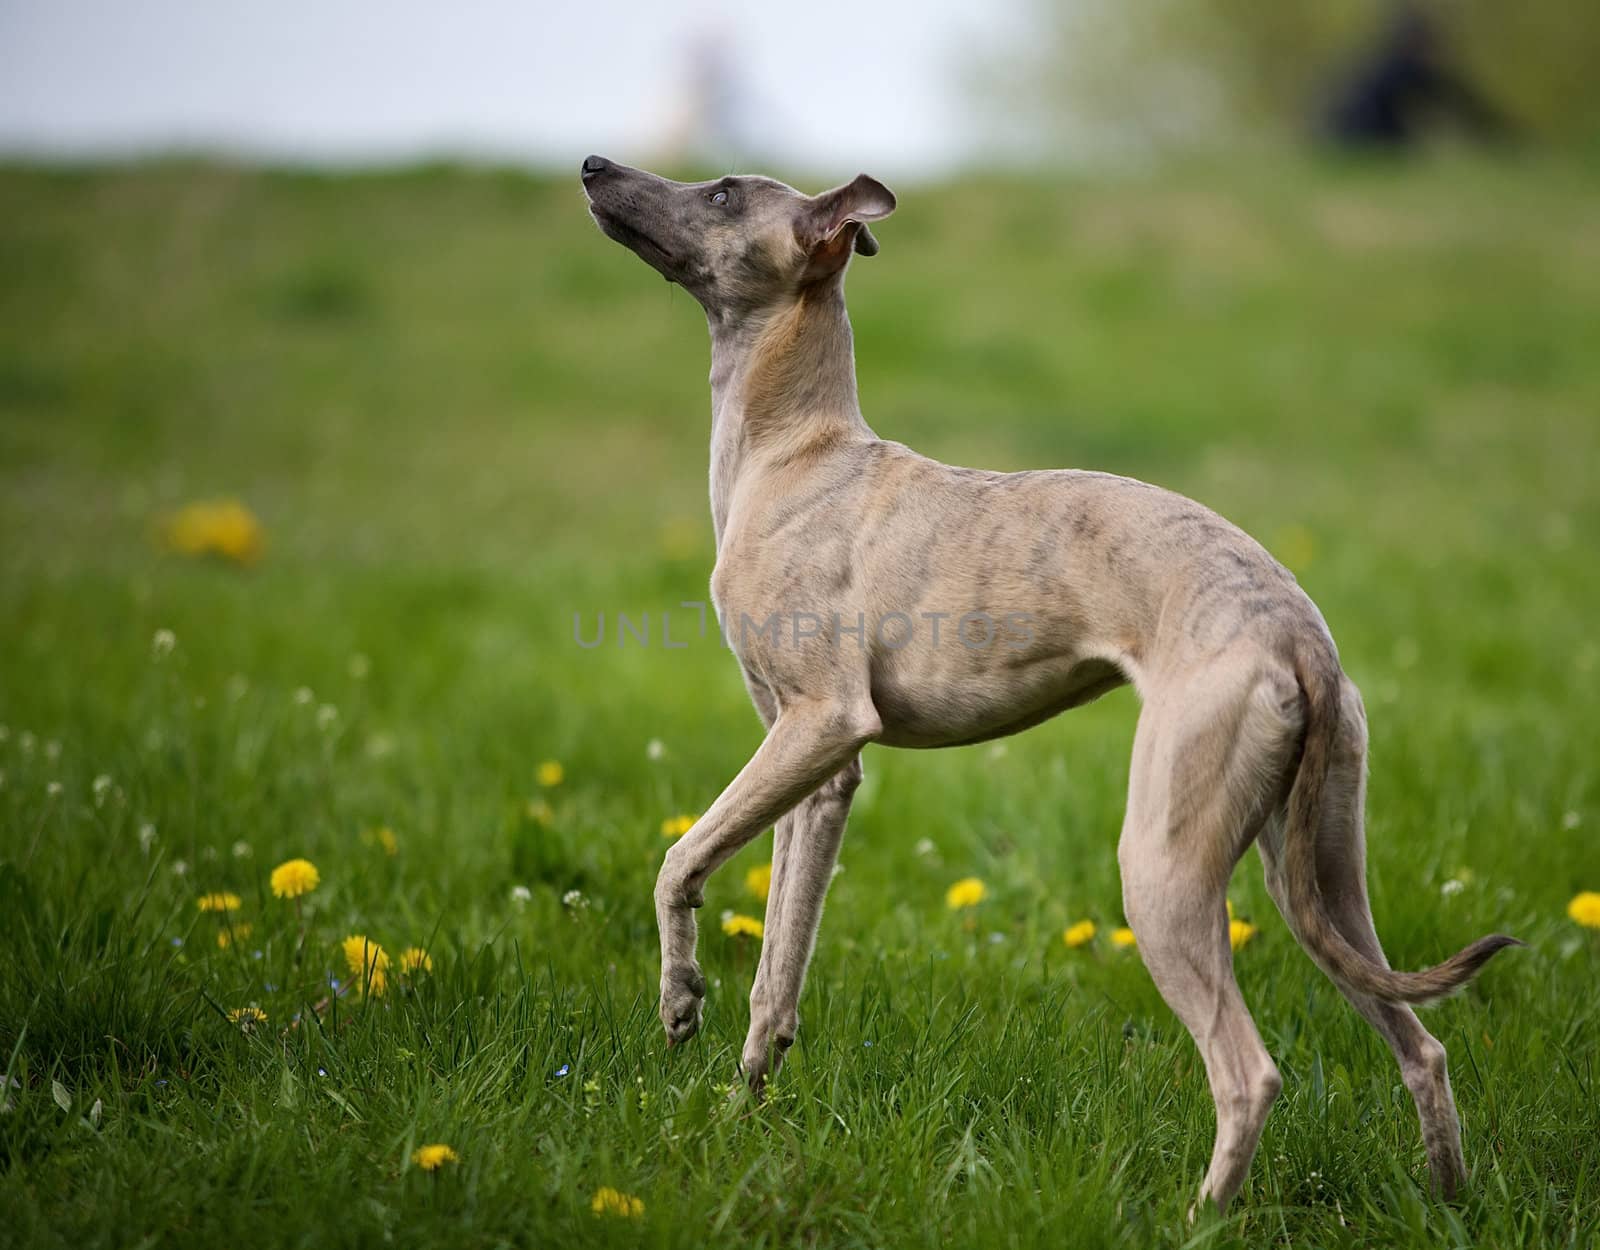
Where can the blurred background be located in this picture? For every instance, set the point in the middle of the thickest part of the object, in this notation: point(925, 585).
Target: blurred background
point(326, 412)
point(303, 320)
point(914, 89)
point(308, 292)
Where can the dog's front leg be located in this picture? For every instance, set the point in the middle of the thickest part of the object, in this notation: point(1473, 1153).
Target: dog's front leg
point(802, 868)
point(809, 742)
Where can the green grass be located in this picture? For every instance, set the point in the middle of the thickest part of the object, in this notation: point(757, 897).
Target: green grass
point(463, 416)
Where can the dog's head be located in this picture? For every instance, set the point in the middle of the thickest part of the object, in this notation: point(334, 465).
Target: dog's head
point(737, 244)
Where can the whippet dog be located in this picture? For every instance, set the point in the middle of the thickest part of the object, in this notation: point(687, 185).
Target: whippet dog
point(841, 554)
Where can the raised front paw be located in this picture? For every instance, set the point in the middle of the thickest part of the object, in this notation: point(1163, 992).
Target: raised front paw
point(683, 991)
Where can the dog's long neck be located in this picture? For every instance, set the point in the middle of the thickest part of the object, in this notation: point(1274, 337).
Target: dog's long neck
point(783, 387)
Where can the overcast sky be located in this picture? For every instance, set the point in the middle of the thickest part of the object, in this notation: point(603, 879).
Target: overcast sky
point(822, 87)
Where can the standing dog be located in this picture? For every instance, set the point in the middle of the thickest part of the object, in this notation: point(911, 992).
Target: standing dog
point(1052, 588)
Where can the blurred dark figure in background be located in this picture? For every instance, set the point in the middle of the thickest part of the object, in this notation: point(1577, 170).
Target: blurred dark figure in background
point(1404, 82)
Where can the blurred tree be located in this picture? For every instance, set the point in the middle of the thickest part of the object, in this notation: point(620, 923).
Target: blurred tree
point(1109, 73)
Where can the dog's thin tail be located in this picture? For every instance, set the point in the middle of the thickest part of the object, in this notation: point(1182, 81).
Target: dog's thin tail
point(1317, 671)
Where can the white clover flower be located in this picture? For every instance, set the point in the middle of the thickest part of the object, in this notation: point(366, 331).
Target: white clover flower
point(359, 666)
point(304, 697)
point(163, 644)
point(180, 868)
point(52, 750)
point(237, 685)
point(242, 850)
point(574, 899)
point(147, 837)
point(1453, 886)
point(925, 847)
point(101, 788)
point(1570, 820)
point(521, 895)
point(655, 749)
point(27, 742)
point(326, 715)
point(53, 789)
point(379, 746)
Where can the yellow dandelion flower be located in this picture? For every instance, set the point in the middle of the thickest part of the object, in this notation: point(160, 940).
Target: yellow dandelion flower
point(415, 959)
point(551, 773)
point(1123, 939)
point(295, 877)
point(1080, 934)
point(741, 926)
point(382, 836)
point(247, 1017)
point(759, 881)
point(218, 900)
point(233, 933)
point(362, 953)
point(432, 1158)
point(1240, 932)
point(223, 527)
point(608, 1201)
point(368, 962)
point(677, 826)
point(968, 892)
point(1585, 909)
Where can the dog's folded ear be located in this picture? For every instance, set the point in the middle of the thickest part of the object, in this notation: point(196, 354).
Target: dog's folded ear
point(833, 223)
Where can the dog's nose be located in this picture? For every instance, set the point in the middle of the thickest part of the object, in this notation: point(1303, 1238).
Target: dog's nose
point(593, 165)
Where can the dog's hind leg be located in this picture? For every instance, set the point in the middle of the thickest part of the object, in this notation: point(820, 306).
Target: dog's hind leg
point(1342, 877)
point(1209, 758)
point(805, 848)
point(810, 741)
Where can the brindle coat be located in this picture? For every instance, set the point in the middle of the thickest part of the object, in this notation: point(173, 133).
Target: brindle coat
point(839, 554)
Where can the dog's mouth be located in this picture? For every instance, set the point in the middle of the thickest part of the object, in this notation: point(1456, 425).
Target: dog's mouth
point(635, 240)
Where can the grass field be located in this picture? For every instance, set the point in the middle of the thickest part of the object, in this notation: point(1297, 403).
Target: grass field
point(462, 417)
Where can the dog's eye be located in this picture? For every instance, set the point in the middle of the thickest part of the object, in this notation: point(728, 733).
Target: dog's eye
point(718, 197)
